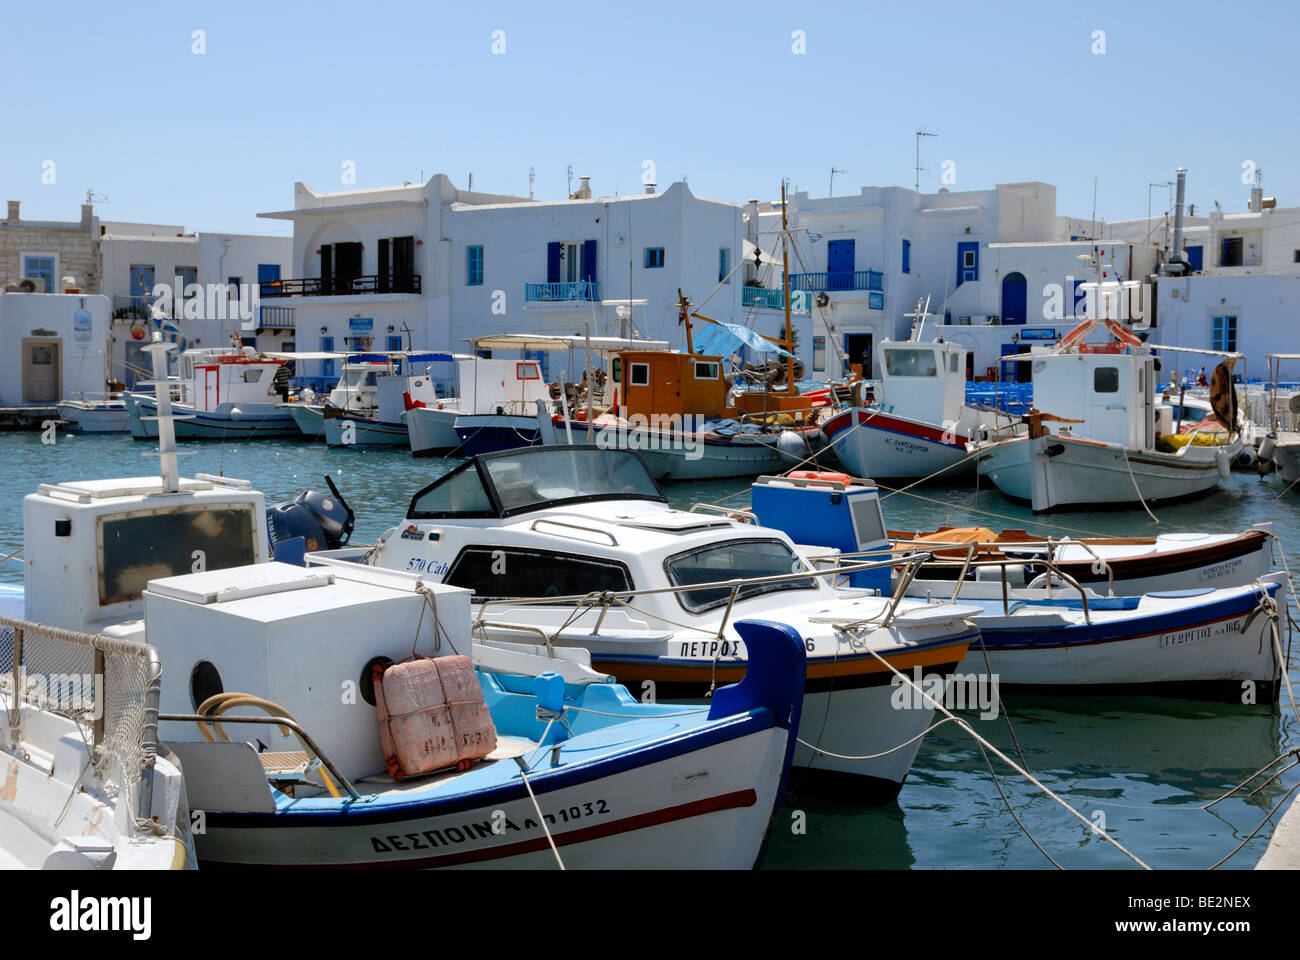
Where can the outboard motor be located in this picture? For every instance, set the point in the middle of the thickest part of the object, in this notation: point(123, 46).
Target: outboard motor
point(311, 522)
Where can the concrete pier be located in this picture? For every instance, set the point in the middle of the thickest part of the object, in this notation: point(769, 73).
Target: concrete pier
point(26, 418)
point(1283, 851)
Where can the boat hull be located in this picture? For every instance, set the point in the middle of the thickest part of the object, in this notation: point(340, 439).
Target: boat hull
point(310, 419)
point(1052, 471)
point(431, 431)
point(363, 432)
point(851, 707)
point(263, 422)
point(670, 456)
point(658, 815)
point(491, 433)
point(94, 418)
point(1221, 650)
point(875, 444)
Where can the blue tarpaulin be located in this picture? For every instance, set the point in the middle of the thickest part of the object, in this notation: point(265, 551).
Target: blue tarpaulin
point(723, 339)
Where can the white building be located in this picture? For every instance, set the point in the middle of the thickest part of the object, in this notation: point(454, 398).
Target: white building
point(429, 265)
point(52, 347)
point(228, 269)
point(866, 259)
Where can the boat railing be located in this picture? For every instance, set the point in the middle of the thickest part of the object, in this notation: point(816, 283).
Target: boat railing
point(739, 514)
point(603, 600)
point(108, 686)
point(205, 719)
point(613, 541)
point(1100, 564)
point(967, 562)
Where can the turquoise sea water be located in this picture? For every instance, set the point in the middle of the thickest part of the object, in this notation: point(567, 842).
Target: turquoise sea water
point(1145, 765)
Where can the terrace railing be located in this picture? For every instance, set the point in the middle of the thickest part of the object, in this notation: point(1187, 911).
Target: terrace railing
point(838, 280)
point(579, 290)
point(342, 286)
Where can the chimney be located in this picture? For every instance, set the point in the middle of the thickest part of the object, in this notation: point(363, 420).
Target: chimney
point(13, 210)
point(584, 189)
point(649, 188)
point(87, 214)
point(1180, 194)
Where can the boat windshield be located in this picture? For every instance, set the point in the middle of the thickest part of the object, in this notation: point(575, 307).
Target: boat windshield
point(517, 481)
point(734, 559)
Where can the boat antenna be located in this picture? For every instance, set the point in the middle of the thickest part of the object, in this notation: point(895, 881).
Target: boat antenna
point(167, 465)
point(919, 135)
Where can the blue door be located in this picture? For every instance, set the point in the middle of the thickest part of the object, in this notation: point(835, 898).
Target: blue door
point(1195, 257)
point(839, 265)
point(1014, 295)
point(268, 273)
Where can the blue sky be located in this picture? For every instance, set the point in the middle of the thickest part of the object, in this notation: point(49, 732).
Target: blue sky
point(114, 95)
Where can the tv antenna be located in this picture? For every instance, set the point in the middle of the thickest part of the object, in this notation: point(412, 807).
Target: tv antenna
point(919, 135)
point(834, 170)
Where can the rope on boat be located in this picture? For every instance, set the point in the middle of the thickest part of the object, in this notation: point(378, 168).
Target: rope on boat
point(983, 743)
point(9, 556)
point(431, 603)
point(1136, 488)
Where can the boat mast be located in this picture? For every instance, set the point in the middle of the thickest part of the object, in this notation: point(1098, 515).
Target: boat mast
point(683, 306)
point(785, 274)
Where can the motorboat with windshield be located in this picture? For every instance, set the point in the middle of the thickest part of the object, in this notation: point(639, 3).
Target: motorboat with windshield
point(577, 547)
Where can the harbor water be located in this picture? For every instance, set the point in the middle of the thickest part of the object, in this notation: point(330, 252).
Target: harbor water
point(1142, 769)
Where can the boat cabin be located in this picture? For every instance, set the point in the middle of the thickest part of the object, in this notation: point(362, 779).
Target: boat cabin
point(500, 386)
point(211, 378)
point(923, 381)
point(90, 546)
point(1110, 393)
point(661, 383)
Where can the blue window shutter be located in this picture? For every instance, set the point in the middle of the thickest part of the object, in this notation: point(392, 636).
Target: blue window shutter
point(907, 256)
point(552, 263)
point(1195, 257)
point(589, 260)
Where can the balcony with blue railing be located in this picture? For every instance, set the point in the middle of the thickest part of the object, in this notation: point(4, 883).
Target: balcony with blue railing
point(275, 318)
point(579, 290)
point(774, 299)
point(838, 280)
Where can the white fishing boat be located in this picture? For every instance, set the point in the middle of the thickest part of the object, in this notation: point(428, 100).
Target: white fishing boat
point(396, 395)
point(576, 547)
point(1106, 448)
point(221, 394)
point(481, 387)
point(1206, 626)
point(1280, 446)
point(107, 415)
point(919, 424)
point(356, 392)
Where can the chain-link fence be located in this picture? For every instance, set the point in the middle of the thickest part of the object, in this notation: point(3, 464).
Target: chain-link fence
point(109, 686)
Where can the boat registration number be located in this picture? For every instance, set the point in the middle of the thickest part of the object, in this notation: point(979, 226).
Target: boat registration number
point(1209, 631)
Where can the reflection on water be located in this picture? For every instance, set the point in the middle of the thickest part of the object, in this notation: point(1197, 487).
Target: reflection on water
point(1146, 764)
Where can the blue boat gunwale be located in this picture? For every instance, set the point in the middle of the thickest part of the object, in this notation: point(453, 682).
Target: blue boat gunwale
point(1010, 637)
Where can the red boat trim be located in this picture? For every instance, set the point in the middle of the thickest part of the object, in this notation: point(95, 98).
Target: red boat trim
point(908, 428)
point(696, 808)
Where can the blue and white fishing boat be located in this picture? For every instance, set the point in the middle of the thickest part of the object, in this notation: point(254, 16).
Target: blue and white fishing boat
point(220, 395)
point(1210, 632)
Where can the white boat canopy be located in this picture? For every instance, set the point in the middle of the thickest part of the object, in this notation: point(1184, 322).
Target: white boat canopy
point(372, 355)
point(528, 341)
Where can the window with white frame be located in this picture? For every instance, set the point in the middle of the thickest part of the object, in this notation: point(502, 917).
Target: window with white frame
point(638, 374)
point(42, 266)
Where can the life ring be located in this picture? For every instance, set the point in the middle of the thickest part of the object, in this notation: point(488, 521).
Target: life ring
point(825, 476)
